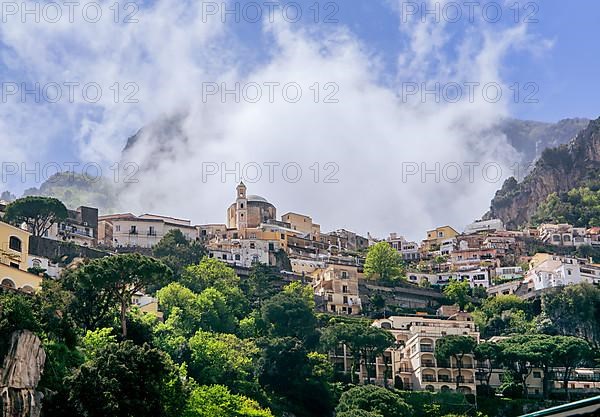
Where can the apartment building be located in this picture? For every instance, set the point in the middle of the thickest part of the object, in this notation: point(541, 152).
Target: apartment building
point(549, 271)
point(476, 277)
point(562, 235)
point(413, 364)
point(493, 225)
point(408, 250)
point(245, 252)
point(436, 237)
point(303, 224)
point(14, 250)
point(118, 230)
point(338, 285)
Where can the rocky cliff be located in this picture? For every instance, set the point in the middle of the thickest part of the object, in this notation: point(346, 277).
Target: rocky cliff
point(20, 374)
point(558, 170)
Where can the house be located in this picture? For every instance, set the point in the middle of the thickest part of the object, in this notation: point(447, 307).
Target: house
point(145, 231)
point(338, 285)
point(80, 227)
point(244, 252)
point(408, 250)
point(493, 225)
point(304, 224)
point(436, 236)
point(562, 235)
point(14, 250)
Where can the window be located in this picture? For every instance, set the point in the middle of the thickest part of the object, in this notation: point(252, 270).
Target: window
point(345, 299)
point(118, 228)
point(36, 263)
point(344, 275)
point(7, 282)
point(252, 245)
point(345, 289)
point(133, 230)
point(151, 231)
point(14, 265)
point(242, 205)
point(224, 256)
point(14, 243)
point(237, 257)
point(537, 374)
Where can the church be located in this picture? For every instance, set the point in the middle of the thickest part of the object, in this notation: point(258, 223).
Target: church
point(249, 211)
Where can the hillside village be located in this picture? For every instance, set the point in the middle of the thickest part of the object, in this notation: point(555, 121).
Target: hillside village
point(416, 307)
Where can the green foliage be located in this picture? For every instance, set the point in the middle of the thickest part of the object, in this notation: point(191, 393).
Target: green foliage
point(224, 359)
point(503, 315)
point(218, 401)
point(458, 292)
point(109, 283)
point(291, 314)
point(365, 342)
point(123, 380)
point(94, 341)
point(456, 347)
point(375, 400)
point(579, 207)
point(383, 262)
point(573, 311)
point(212, 273)
point(177, 251)
point(40, 213)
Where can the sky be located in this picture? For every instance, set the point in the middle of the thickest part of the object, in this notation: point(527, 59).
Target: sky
point(386, 122)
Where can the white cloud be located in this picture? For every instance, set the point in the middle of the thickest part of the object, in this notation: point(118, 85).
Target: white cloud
point(368, 134)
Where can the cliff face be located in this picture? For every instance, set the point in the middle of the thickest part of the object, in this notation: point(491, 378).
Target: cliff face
point(558, 170)
point(20, 374)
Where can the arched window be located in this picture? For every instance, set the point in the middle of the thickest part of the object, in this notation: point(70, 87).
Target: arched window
point(430, 388)
point(36, 263)
point(14, 243)
point(27, 289)
point(7, 282)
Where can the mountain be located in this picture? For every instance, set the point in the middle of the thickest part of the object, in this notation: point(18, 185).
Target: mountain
point(558, 170)
point(76, 190)
point(530, 138)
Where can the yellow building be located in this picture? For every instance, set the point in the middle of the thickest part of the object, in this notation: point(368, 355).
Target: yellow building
point(303, 224)
point(437, 236)
point(338, 285)
point(14, 248)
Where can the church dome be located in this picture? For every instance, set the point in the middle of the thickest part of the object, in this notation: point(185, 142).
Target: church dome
point(257, 198)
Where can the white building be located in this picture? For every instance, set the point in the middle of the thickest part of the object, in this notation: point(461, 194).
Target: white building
point(475, 277)
point(408, 250)
point(144, 231)
point(244, 252)
point(494, 225)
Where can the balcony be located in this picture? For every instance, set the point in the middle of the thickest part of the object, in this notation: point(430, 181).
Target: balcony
point(133, 232)
point(444, 378)
point(428, 364)
point(426, 348)
point(429, 378)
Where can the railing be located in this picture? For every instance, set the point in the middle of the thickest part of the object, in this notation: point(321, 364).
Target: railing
point(429, 378)
point(444, 378)
point(428, 364)
point(425, 348)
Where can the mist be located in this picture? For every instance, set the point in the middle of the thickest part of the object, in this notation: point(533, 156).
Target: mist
point(351, 156)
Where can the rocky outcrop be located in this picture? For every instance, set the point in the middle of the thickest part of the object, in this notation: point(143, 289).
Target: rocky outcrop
point(20, 375)
point(558, 170)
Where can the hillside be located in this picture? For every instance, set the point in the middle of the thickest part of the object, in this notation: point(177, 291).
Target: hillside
point(558, 170)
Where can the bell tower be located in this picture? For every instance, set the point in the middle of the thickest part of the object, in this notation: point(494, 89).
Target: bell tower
point(241, 209)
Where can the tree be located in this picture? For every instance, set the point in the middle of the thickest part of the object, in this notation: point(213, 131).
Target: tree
point(487, 354)
point(177, 251)
point(456, 347)
point(212, 273)
point(224, 359)
point(502, 315)
point(458, 293)
point(218, 401)
point(570, 352)
point(291, 313)
point(109, 282)
point(40, 213)
point(259, 285)
point(383, 262)
point(365, 343)
point(520, 356)
point(573, 311)
point(298, 380)
point(374, 400)
point(124, 380)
